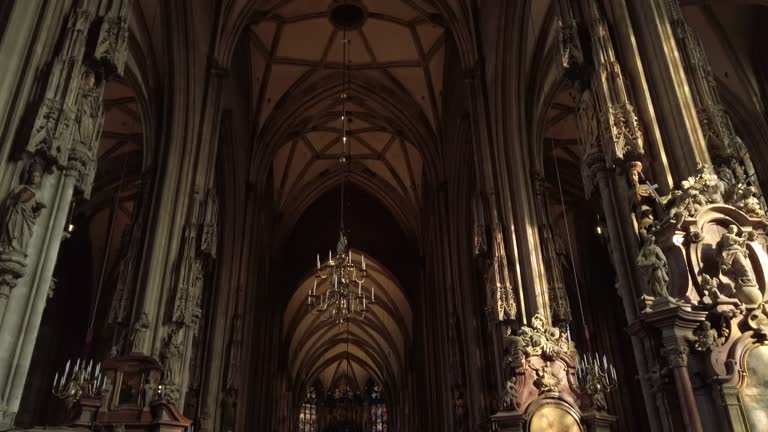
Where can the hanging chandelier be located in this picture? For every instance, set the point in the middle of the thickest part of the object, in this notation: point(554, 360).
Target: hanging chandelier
point(341, 279)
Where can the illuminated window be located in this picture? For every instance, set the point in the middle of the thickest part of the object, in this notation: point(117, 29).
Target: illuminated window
point(379, 414)
point(308, 413)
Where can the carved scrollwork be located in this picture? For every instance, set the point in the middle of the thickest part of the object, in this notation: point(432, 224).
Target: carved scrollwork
point(758, 321)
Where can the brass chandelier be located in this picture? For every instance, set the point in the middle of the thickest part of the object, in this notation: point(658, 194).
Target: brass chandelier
point(341, 296)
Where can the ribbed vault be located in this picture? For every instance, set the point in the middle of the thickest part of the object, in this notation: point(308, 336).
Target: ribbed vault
point(372, 347)
point(397, 61)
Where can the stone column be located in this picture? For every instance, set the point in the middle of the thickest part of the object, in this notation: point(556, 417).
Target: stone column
point(611, 134)
point(622, 245)
point(676, 110)
point(677, 358)
point(59, 159)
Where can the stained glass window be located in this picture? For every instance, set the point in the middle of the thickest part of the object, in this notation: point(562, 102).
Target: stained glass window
point(379, 414)
point(308, 413)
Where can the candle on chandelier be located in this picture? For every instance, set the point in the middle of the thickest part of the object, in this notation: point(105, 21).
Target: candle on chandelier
point(314, 288)
point(55, 378)
point(318, 261)
point(363, 258)
point(329, 255)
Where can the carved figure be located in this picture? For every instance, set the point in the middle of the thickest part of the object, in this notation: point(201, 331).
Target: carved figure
point(546, 381)
point(745, 199)
point(147, 393)
point(458, 408)
point(229, 410)
point(733, 259)
point(87, 119)
point(171, 356)
point(707, 337)
point(139, 333)
point(22, 209)
point(653, 264)
point(643, 201)
point(570, 47)
point(709, 287)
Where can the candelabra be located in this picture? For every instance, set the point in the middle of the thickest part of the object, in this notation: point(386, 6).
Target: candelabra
point(82, 382)
point(595, 377)
point(344, 297)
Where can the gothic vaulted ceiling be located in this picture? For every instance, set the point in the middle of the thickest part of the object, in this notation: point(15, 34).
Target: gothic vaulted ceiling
point(399, 51)
point(374, 348)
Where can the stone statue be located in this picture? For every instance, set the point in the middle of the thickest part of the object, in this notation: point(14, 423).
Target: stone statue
point(710, 288)
point(746, 200)
point(139, 333)
point(87, 119)
point(653, 264)
point(171, 357)
point(546, 381)
point(229, 409)
point(586, 120)
point(733, 259)
point(643, 201)
point(707, 337)
point(147, 393)
point(21, 211)
point(106, 394)
point(459, 410)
